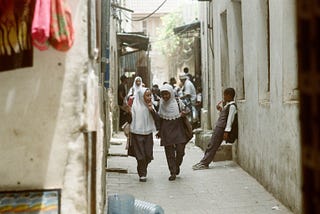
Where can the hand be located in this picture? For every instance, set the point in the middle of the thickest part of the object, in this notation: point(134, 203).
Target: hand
point(127, 109)
point(183, 114)
point(150, 106)
point(218, 106)
point(157, 135)
point(225, 135)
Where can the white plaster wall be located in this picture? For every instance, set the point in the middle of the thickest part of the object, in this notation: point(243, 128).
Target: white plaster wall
point(38, 113)
point(268, 146)
point(42, 114)
point(206, 58)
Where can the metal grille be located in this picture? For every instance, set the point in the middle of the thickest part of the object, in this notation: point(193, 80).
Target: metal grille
point(308, 21)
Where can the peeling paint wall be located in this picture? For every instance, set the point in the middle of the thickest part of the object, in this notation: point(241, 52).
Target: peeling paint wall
point(43, 113)
point(268, 146)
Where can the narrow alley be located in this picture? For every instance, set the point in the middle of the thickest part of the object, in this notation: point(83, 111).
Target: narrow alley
point(224, 188)
point(70, 71)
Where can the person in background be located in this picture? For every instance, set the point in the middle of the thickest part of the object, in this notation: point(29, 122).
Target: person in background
point(136, 86)
point(179, 89)
point(188, 96)
point(122, 92)
point(188, 88)
point(171, 130)
point(198, 104)
point(155, 96)
point(142, 126)
point(190, 77)
point(173, 83)
point(222, 128)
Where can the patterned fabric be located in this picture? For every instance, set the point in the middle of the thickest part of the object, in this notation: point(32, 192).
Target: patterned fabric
point(61, 28)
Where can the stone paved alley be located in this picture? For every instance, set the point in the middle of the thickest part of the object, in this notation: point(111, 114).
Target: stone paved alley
point(223, 189)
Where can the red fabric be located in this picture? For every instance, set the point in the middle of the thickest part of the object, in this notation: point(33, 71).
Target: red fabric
point(61, 28)
point(130, 101)
point(40, 30)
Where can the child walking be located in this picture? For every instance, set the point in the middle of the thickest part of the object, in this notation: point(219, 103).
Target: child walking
point(222, 129)
point(171, 131)
point(142, 127)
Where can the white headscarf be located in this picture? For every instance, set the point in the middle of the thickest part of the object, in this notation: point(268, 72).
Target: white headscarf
point(142, 120)
point(168, 110)
point(135, 87)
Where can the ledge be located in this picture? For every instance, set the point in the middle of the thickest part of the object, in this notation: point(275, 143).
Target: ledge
point(202, 139)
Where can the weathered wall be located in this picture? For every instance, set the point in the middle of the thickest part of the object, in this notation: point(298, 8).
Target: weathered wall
point(114, 74)
point(268, 146)
point(43, 111)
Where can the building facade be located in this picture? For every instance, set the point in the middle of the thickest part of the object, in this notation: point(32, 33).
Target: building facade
point(250, 45)
point(53, 132)
point(147, 18)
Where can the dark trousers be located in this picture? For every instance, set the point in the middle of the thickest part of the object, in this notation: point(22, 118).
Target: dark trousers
point(174, 155)
point(142, 167)
point(214, 144)
point(123, 118)
point(142, 146)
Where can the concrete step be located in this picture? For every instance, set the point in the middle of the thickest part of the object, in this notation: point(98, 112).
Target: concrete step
point(202, 139)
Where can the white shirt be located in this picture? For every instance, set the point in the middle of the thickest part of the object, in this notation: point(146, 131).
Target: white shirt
point(232, 113)
point(189, 88)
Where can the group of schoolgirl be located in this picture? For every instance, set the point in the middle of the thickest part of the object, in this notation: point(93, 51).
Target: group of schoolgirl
point(168, 123)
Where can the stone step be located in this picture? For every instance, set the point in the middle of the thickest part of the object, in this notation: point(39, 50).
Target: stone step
point(202, 138)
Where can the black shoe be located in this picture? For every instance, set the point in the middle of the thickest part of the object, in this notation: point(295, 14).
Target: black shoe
point(142, 179)
point(178, 171)
point(172, 178)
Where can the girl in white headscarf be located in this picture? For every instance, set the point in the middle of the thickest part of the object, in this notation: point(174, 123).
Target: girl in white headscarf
point(171, 130)
point(141, 131)
point(136, 86)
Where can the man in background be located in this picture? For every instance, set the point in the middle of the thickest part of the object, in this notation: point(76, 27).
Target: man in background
point(122, 92)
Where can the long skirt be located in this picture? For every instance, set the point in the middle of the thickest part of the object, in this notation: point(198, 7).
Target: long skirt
point(141, 147)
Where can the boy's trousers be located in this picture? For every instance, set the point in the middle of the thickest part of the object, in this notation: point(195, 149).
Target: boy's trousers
point(214, 144)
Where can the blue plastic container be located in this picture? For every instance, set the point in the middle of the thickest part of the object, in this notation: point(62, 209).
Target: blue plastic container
point(143, 207)
point(121, 204)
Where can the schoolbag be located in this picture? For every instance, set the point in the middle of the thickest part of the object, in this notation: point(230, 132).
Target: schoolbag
point(233, 134)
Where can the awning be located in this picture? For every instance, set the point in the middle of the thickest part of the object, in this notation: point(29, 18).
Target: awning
point(132, 42)
point(187, 28)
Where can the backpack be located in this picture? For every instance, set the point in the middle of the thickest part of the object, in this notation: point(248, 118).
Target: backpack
point(233, 134)
point(186, 123)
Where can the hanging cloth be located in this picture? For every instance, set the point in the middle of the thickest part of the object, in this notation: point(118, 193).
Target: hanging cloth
point(40, 30)
point(61, 28)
